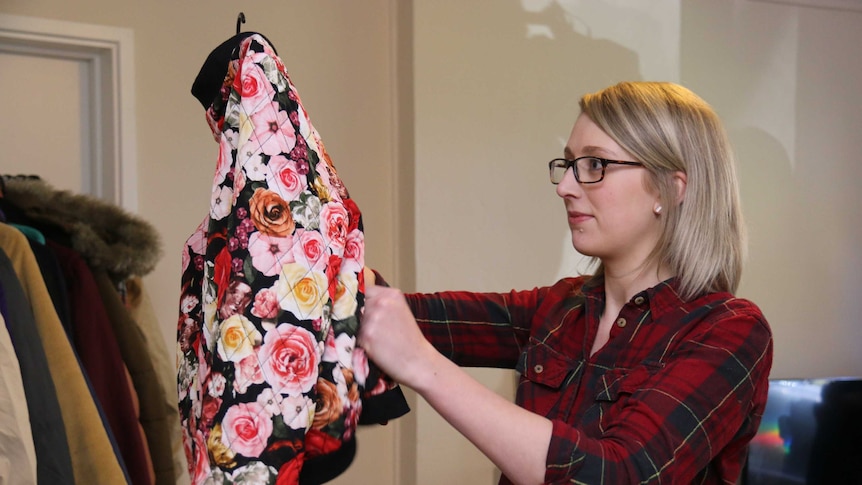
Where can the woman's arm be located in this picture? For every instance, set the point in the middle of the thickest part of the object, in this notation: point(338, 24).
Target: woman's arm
point(515, 439)
point(474, 329)
point(699, 400)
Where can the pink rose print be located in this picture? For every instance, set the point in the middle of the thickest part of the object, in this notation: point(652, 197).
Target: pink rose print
point(284, 177)
point(311, 251)
point(249, 83)
point(354, 252)
point(200, 469)
point(238, 181)
point(195, 244)
point(247, 373)
point(272, 131)
point(224, 161)
point(265, 304)
point(246, 428)
point(360, 365)
point(333, 225)
point(269, 253)
point(290, 359)
point(330, 354)
point(255, 89)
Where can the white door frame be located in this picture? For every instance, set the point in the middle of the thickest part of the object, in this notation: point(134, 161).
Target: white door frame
point(106, 55)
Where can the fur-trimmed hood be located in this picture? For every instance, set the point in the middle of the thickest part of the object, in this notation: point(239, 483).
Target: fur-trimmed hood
point(105, 235)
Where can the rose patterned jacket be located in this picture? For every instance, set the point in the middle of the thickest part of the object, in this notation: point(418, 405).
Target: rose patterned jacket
point(271, 383)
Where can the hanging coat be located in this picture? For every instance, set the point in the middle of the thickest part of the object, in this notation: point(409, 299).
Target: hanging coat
point(271, 381)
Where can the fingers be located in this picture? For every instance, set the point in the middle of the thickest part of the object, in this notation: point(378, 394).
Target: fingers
point(372, 291)
point(370, 277)
point(382, 319)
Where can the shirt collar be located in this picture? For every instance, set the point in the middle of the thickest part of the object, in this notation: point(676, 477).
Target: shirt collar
point(661, 298)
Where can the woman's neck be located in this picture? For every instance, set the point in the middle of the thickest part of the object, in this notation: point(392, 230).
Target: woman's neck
point(622, 284)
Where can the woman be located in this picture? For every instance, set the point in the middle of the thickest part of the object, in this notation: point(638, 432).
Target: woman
point(648, 371)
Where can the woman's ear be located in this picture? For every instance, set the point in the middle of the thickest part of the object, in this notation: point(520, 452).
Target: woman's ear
point(680, 181)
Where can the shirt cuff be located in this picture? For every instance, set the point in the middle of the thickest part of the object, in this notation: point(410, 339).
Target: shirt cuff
point(565, 456)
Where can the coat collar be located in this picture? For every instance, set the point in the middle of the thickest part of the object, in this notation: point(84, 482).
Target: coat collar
point(106, 236)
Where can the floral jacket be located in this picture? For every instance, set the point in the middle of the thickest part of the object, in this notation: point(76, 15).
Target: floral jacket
point(271, 383)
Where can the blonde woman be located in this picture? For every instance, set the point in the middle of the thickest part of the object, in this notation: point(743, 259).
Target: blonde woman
point(649, 370)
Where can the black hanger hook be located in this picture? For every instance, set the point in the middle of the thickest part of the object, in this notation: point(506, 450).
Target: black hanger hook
point(240, 19)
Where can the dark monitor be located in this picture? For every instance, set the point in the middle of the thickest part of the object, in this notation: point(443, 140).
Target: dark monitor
point(811, 434)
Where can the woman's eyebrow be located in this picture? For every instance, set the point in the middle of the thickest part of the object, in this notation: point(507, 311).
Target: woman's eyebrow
point(589, 150)
point(597, 151)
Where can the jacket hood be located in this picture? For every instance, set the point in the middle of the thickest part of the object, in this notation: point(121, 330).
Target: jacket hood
point(215, 80)
point(105, 235)
point(211, 77)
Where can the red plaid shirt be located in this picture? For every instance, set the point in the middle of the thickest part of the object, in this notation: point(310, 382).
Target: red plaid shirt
point(673, 397)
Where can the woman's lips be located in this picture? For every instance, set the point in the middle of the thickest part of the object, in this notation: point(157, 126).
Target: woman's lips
point(576, 217)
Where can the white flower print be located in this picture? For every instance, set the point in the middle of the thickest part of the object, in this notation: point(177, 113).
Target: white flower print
point(221, 203)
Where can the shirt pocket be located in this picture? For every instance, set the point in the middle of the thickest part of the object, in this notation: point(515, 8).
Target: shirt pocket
point(616, 387)
point(545, 374)
point(619, 383)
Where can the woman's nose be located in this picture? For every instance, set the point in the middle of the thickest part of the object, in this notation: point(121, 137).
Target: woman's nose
point(569, 186)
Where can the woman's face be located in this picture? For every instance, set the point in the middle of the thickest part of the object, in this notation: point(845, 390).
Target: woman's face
point(615, 219)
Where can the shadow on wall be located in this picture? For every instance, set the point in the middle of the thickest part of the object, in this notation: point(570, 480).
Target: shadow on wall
point(793, 239)
point(591, 63)
point(503, 95)
point(767, 192)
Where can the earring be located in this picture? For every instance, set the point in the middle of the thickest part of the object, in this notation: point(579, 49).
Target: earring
point(657, 209)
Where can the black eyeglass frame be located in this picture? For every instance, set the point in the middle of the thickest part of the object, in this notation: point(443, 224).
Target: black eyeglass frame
point(573, 165)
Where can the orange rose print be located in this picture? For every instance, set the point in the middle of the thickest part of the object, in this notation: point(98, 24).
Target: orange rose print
point(270, 213)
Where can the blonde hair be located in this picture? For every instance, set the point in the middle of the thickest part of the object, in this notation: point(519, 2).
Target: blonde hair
point(669, 128)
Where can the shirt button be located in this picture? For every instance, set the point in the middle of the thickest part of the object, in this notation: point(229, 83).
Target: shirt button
point(539, 368)
point(639, 300)
point(621, 322)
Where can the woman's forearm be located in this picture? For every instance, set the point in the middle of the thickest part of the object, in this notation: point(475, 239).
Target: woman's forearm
point(515, 439)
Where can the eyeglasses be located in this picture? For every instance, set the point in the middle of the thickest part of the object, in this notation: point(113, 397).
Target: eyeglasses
point(588, 170)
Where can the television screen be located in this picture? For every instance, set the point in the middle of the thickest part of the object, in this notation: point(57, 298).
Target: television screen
point(811, 433)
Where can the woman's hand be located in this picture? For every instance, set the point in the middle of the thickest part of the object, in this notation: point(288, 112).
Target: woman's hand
point(392, 339)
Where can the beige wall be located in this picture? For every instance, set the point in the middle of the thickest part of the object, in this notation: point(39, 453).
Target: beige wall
point(482, 93)
point(786, 79)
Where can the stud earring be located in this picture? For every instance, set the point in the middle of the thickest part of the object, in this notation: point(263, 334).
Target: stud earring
point(657, 209)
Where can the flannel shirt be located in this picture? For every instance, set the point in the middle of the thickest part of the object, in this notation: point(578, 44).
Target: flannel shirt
point(674, 396)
